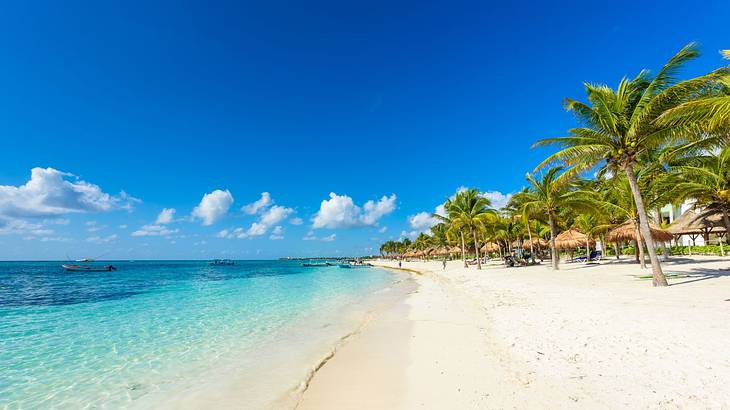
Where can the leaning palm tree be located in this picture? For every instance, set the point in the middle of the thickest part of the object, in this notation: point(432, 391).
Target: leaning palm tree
point(711, 114)
point(469, 211)
point(549, 194)
point(706, 178)
point(619, 125)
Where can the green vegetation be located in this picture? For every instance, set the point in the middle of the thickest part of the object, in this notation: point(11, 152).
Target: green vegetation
point(653, 140)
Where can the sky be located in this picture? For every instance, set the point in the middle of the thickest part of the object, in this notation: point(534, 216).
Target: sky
point(257, 130)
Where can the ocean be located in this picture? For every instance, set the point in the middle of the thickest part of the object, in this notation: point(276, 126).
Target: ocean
point(174, 333)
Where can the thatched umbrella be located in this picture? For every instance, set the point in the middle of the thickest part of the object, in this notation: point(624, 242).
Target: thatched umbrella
point(627, 232)
point(571, 239)
point(538, 243)
point(695, 224)
point(692, 222)
point(489, 247)
point(455, 249)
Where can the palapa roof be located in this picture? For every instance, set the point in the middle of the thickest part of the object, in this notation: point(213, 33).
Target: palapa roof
point(571, 239)
point(489, 247)
point(454, 249)
point(693, 222)
point(627, 232)
point(541, 243)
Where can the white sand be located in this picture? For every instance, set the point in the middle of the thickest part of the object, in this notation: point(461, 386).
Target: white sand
point(585, 337)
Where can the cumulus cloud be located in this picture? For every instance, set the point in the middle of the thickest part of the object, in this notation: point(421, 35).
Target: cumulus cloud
point(277, 233)
point(213, 206)
point(340, 211)
point(296, 221)
point(270, 217)
point(498, 199)
point(422, 221)
point(258, 205)
point(51, 192)
point(165, 217)
point(329, 238)
point(154, 230)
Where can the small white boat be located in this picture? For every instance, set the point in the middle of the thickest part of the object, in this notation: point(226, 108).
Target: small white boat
point(88, 268)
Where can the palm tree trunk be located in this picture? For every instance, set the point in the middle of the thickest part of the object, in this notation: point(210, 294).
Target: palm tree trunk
point(656, 268)
point(726, 220)
point(640, 248)
point(476, 248)
point(553, 234)
point(616, 248)
point(665, 248)
point(463, 248)
point(532, 244)
point(588, 248)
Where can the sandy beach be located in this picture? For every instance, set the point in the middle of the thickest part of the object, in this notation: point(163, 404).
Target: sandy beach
point(587, 336)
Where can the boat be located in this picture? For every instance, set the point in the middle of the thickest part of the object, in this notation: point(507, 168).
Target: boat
point(354, 265)
point(88, 268)
point(222, 262)
point(316, 265)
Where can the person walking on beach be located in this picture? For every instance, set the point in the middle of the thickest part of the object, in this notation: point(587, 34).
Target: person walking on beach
point(399, 263)
point(444, 263)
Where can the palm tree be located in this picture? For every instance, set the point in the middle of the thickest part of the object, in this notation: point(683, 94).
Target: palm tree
point(619, 125)
point(710, 114)
point(589, 225)
point(548, 195)
point(468, 212)
point(706, 178)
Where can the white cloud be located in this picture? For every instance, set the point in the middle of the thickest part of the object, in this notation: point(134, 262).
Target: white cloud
point(222, 234)
point(213, 206)
point(123, 226)
point(422, 221)
point(383, 229)
point(277, 233)
point(376, 210)
point(11, 226)
point(272, 216)
point(154, 230)
point(57, 221)
point(260, 204)
point(310, 236)
point(411, 235)
point(296, 221)
point(498, 199)
point(99, 239)
point(275, 214)
point(51, 192)
point(341, 212)
point(166, 216)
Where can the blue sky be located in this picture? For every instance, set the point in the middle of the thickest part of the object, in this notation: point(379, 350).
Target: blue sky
point(398, 104)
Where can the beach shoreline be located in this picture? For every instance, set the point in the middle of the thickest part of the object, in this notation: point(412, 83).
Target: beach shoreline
point(587, 336)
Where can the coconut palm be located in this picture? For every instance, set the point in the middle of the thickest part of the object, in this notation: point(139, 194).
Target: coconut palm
point(711, 114)
point(619, 125)
point(549, 194)
point(468, 211)
point(706, 178)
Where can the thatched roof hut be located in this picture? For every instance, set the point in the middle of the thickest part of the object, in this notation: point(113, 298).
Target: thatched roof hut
point(441, 251)
point(538, 243)
point(455, 249)
point(489, 247)
point(627, 232)
point(695, 223)
point(571, 239)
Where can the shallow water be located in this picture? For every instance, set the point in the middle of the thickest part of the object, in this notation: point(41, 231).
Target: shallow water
point(118, 339)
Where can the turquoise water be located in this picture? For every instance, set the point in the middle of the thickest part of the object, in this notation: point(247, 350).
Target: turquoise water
point(113, 339)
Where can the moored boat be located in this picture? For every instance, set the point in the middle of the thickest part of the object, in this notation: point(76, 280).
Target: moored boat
point(88, 268)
